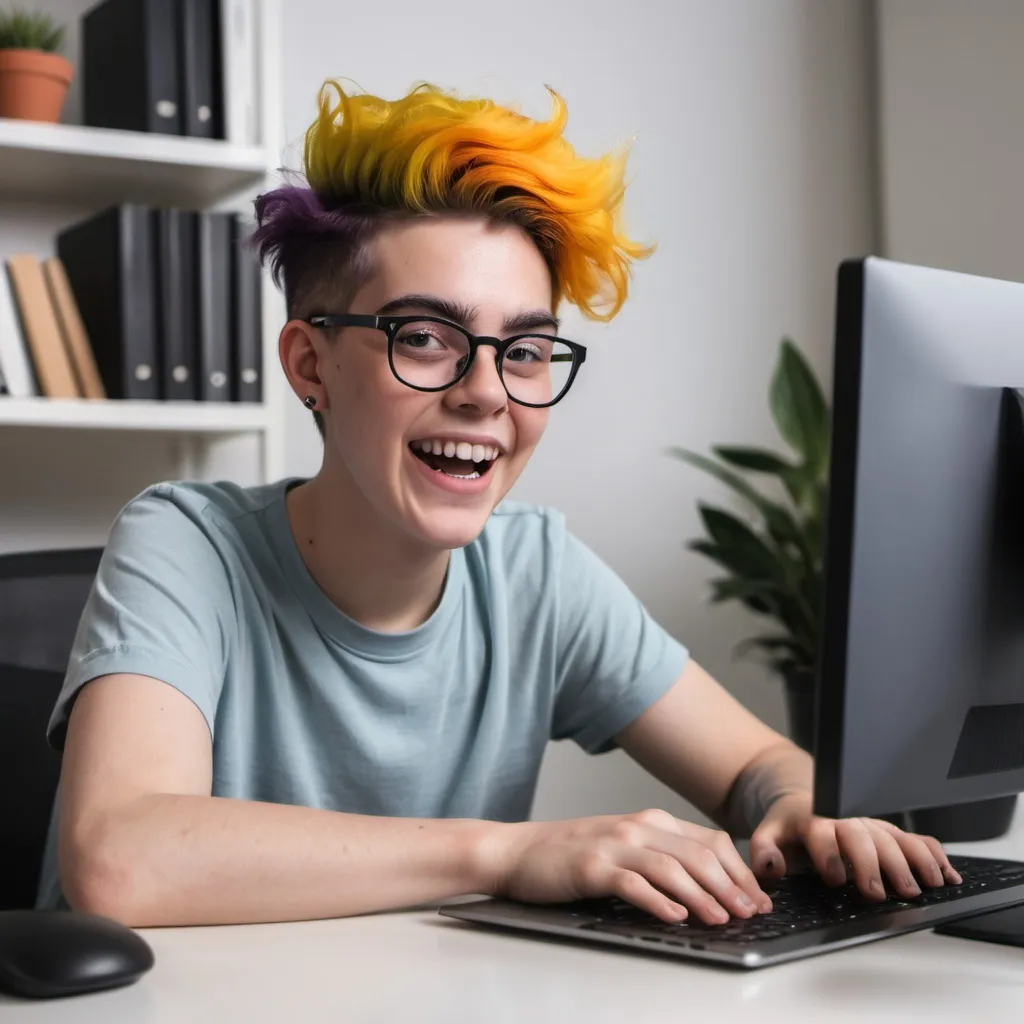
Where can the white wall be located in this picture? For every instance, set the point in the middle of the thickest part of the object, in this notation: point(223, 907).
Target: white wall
point(752, 171)
point(951, 96)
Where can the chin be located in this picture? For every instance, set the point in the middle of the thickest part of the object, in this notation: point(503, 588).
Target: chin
point(451, 528)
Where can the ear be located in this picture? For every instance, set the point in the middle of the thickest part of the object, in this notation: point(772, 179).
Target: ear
point(299, 347)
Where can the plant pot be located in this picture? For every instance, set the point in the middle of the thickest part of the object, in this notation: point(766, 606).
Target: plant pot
point(33, 84)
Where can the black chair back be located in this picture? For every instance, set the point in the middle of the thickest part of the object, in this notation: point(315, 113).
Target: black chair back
point(42, 595)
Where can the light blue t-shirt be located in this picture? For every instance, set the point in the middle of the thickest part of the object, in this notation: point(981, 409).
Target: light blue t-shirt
point(202, 586)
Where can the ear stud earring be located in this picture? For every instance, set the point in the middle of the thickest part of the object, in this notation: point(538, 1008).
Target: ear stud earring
point(309, 401)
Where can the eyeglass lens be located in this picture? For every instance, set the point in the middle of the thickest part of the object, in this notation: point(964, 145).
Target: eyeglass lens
point(535, 369)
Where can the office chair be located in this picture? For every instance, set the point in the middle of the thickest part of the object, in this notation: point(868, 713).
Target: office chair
point(42, 595)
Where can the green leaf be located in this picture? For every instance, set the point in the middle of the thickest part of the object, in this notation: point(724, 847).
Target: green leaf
point(757, 460)
point(750, 555)
point(798, 408)
point(769, 643)
point(777, 517)
point(30, 30)
point(729, 588)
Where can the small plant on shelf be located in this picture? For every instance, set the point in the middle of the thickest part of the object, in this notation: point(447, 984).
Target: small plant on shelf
point(34, 77)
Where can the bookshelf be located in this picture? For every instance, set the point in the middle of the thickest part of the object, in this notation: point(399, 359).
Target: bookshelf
point(224, 418)
point(103, 165)
point(68, 465)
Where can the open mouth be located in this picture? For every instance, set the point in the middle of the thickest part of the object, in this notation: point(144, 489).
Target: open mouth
point(433, 454)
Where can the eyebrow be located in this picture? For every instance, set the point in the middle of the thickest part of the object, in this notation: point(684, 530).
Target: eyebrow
point(460, 313)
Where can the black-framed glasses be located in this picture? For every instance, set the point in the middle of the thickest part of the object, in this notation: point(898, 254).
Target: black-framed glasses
point(431, 354)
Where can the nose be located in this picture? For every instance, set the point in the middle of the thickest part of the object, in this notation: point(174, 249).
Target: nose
point(481, 389)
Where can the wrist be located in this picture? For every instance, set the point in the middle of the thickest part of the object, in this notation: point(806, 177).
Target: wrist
point(491, 854)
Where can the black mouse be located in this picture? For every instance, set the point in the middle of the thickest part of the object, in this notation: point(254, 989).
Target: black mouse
point(47, 953)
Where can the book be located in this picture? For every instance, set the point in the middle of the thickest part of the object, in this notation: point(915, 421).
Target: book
point(40, 328)
point(239, 78)
point(130, 74)
point(213, 264)
point(176, 300)
point(109, 263)
point(15, 361)
point(247, 318)
point(76, 338)
point(199, 68)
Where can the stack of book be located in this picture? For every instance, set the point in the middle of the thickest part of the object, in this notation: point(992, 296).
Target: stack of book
point(138, 303)
point(179, 67)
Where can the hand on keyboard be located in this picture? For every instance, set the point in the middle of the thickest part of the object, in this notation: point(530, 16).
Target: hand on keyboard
point(653, 860)
point(867, 852)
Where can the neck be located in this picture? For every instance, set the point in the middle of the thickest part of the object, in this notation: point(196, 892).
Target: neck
point(376, 575)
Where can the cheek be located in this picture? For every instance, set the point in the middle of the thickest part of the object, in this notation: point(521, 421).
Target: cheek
point(530, 425)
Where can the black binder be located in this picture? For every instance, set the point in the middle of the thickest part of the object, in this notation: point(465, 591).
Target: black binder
point(216, 233)
point(130, 75)
point(248, 317)
point(177, 314)
point(199, 68)
point(109, 262)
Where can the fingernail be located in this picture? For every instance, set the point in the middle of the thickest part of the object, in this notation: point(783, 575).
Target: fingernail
point(955, 875)
point(836, 870)
point(720, 914)
point(765, 906)
point(911, 886)
point(745, 902)
point(875, 885)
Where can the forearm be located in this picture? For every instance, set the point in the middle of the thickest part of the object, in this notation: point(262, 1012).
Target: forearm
point(177, 860)
point(781, 770)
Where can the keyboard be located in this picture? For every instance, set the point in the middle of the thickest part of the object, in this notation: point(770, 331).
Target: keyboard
point(804, 903)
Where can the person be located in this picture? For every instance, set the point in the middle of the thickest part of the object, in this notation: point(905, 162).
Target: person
point(331, 696)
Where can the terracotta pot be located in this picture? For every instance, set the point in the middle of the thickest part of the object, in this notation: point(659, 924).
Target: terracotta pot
point(33, 84)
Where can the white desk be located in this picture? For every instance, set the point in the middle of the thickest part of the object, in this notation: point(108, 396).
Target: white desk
point(418, 967)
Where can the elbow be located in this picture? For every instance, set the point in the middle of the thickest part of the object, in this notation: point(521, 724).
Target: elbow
point(99, 874)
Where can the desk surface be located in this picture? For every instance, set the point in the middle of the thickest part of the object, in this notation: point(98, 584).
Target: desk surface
point(417, 966)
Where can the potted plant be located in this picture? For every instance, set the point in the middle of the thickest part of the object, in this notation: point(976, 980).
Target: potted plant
point(34, 78)
point(773, 566)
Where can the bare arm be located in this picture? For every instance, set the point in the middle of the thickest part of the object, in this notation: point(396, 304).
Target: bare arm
point(705, 745)
point(142, 840)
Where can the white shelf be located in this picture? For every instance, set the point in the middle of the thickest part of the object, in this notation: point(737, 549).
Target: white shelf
point(73, 163)
point(170, 417)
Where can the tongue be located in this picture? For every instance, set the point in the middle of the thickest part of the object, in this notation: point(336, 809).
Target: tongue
point(458, 467)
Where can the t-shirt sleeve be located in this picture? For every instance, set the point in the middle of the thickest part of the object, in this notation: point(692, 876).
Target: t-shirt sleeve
point(614, 660)
point(158, 608)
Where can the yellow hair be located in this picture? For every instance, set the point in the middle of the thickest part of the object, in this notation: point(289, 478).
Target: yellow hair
point(430, 152)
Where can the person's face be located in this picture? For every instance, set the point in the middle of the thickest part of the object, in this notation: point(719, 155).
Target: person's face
point(378, 426)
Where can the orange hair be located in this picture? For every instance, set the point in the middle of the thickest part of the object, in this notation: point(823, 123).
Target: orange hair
point(431, 152)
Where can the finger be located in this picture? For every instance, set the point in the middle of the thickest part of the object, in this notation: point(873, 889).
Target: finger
point(736, 868)
point(666, 873)
point(893, 862)
point(857, 846)
point(703, 865)
point(949, 872)
point(930, 864)
point(634, 888)
point(766, 854)
point(823, 849)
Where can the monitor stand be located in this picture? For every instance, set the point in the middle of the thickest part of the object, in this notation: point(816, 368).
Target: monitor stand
point(1005, 927)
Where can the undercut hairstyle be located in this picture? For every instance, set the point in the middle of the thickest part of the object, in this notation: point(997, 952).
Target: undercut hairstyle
point(369, 162)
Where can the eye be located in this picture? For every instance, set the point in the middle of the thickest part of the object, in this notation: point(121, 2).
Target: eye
point(418, 339)
point(532, 351)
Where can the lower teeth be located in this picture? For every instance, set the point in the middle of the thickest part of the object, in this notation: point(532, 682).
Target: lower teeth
point(455, 476)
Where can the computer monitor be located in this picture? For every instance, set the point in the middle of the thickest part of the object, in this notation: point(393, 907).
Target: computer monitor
point(921, 674)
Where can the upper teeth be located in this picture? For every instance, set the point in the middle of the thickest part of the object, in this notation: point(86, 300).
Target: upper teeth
point(459, 450)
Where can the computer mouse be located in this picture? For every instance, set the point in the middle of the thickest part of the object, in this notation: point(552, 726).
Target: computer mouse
point(48, 953)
